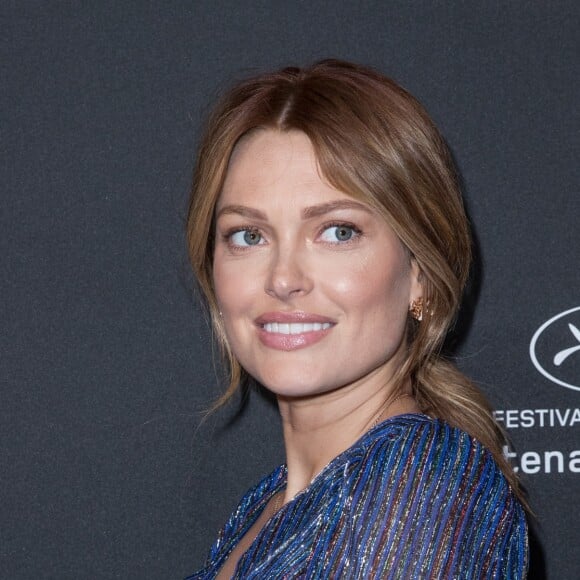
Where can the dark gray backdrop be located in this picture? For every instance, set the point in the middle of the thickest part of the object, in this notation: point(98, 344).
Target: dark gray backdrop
point(106, 361)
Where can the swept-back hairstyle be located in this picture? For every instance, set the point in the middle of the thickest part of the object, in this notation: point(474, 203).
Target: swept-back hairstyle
point(375, 142)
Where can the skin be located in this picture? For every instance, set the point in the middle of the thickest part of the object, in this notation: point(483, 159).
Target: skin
point(277, 254)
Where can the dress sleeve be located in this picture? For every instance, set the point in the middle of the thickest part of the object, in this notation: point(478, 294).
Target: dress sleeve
point(430, 502)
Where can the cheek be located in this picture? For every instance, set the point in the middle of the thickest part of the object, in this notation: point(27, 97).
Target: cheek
point(376, 292)
point(235, 287)
point(370, 276)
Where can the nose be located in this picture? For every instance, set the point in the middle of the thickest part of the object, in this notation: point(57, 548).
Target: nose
point(288, 275)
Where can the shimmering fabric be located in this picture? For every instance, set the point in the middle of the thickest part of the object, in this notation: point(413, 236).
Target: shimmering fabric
point(413, 498)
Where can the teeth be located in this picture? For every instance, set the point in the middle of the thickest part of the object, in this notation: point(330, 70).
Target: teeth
point(295, 328)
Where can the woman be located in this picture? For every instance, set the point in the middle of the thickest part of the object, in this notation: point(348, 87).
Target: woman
point(328, 235)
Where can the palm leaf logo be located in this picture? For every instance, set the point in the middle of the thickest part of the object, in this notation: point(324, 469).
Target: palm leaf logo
point(564, 354)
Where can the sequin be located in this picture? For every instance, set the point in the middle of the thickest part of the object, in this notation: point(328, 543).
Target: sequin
point(413, 498)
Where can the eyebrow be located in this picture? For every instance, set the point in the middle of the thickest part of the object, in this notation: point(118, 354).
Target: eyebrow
point(307, 213)
point(242, 210)
point(324, 208)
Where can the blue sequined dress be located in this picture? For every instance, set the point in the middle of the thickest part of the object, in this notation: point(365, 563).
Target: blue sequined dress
point(413, 498)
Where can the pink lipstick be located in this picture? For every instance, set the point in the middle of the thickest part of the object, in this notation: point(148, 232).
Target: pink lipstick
point(292, 330)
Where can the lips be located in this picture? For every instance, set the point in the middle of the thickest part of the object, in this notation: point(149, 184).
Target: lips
point(292, 330)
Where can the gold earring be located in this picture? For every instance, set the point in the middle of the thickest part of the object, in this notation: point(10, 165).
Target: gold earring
point(416, 309)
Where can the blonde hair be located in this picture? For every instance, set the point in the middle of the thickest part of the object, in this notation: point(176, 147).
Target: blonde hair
point(374, 141)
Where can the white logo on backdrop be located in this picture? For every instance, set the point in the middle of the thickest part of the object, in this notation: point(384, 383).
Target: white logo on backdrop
point(558, 366)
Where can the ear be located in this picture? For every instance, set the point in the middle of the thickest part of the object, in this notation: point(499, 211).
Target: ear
point(416, 288)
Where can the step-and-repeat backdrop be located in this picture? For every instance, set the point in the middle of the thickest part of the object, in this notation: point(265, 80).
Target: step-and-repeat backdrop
point(106, 360)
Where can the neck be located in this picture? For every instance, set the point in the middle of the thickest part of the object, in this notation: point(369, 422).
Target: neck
point(318, 428)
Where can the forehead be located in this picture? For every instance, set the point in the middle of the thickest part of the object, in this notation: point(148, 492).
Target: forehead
point(270, 163)
point(272, 145)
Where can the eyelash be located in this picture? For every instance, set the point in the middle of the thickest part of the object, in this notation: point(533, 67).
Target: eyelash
point(227, 236)
point(338, 224)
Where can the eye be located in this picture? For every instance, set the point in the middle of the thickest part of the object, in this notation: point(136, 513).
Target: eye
point(337, 233)
point(247, 237)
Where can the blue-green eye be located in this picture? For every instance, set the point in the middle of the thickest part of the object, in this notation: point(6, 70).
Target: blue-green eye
point(339, 233)
point(246, 238)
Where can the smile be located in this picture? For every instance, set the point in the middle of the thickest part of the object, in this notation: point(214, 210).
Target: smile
point(288, 331)
point(295, 328)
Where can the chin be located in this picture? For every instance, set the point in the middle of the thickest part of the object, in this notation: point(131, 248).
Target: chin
point(295, 388)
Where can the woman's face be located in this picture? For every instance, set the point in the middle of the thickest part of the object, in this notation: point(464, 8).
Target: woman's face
point(313, 286)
